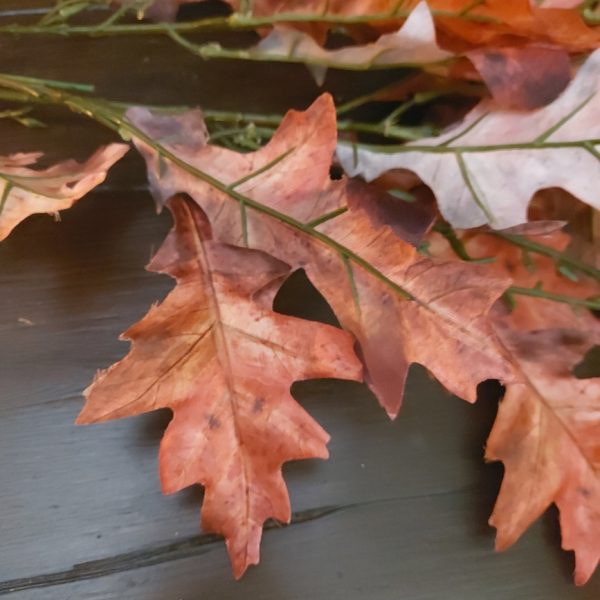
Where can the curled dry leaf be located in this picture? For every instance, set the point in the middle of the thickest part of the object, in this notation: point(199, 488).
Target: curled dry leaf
point(547, 434)
point(400, 306)
point(224, 365)
point(486, 169)
point(25, 191)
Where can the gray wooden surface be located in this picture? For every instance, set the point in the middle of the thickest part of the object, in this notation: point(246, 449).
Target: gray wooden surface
point(399, 511)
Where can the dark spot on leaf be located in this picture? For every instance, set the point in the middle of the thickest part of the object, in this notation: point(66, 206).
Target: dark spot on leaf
point(259, 404)
point(496, 58)
point(571, 337)
point(213, 422)
point(585, 492)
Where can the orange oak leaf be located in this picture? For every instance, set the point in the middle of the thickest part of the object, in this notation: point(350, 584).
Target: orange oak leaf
point(224, 365)
point(24, 191)
point(487, 168)
point(400, 306)
point(547, 430)
point(547, 434)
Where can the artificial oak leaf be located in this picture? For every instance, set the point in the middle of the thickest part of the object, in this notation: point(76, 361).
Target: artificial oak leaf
point(224, 365)
point(25, 191)
point(547, 434)
point(486, 169)
point(529, 269)
point(400, 306)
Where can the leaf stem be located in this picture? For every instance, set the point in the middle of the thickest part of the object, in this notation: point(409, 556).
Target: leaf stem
point(445, 229)
point(591, 303)
point(559, 257)
point(234, 22)
point(397, 132)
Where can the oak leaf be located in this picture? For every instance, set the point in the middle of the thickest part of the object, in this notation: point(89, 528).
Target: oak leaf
point(547, 434)
point(224, 364)
point(25, 191)
point(547, 430)
point(400, 306)
point(486, 169)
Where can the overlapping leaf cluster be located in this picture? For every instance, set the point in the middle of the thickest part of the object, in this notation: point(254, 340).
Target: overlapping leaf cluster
point(465, 286)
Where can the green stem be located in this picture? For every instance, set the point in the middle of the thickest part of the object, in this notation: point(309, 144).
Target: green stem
point(445, 229)
point(592, 304)
point(555, 255)
point(214, 50)
point(397, 132)
point(236, 21)
point(394, 149)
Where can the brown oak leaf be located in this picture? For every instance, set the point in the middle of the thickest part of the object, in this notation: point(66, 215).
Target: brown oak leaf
point(547, 431)
point(547, 434)
point(224, 364)
point(25, 191)
point(399, 305)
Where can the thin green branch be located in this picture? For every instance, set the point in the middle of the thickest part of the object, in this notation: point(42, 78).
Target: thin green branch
point(445, 229)
point(265, 124)
point(261, 170)
point(235, 22)
point(214, 50)
point(328, 216)
point(591, 303)
point(560, 258)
